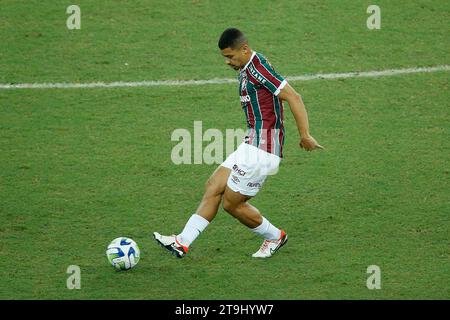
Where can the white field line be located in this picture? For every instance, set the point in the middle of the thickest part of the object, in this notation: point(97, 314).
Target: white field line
point(156, 83)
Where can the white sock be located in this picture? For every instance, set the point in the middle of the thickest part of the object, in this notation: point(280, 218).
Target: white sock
point(195, 225)
point(267, 230)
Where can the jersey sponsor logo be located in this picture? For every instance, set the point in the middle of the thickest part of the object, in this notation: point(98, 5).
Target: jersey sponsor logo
point(254, 185)
point(238, 170)
point(245, 98)
point(257, 76)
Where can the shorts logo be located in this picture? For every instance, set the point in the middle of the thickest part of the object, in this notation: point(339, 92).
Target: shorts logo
point(254, 185)
point(238, 170)
point(235, 179)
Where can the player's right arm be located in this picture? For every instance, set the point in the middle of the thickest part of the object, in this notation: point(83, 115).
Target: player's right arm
point(298, 109)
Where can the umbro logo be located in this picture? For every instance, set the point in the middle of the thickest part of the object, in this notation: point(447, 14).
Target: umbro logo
point(235, 179)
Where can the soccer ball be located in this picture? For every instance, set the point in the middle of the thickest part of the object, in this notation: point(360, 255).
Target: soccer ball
point(123, 253)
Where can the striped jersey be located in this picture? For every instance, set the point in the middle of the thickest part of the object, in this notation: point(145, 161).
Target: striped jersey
point(259, 86)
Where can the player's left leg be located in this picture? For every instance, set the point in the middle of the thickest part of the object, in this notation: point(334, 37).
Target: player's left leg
point(237, 205)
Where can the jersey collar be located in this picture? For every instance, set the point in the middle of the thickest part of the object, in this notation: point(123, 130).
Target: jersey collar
point(249, 61)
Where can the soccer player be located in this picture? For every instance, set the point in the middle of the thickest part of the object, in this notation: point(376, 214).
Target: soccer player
point(240, 177)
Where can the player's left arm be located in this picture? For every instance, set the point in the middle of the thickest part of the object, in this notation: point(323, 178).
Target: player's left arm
point(298, 109)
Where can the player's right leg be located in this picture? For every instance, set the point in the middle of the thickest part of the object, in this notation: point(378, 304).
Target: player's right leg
point(214, 189)
point(206, 211)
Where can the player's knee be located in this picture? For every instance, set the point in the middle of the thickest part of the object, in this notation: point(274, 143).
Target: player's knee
point(228, 205)
point(236, 209)
point(212, 187)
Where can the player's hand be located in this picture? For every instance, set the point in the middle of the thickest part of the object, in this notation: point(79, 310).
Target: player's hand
point(309, 143)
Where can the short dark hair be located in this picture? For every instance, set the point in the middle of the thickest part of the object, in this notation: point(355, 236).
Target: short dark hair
point(231, 38)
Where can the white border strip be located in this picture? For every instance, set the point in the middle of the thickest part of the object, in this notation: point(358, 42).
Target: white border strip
point(157, 83)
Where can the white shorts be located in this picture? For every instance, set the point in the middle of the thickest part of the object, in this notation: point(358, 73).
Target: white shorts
point(250, 167)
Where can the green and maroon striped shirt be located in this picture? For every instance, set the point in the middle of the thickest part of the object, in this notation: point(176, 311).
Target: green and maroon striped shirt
point(259, 86)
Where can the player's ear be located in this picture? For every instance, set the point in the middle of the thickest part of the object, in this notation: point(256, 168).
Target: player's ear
point(245, 48)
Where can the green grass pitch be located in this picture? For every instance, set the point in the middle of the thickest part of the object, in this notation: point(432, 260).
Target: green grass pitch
point(80, 167)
